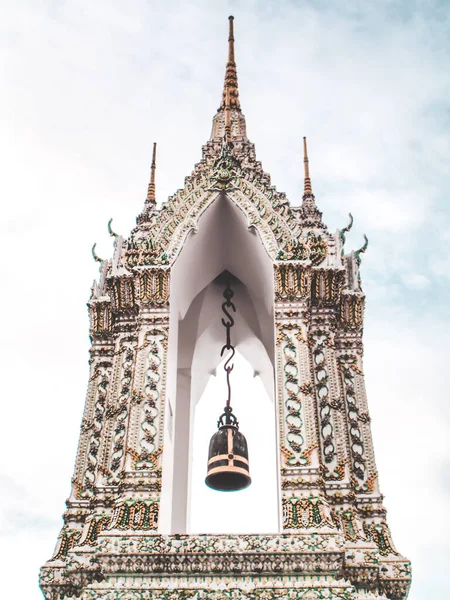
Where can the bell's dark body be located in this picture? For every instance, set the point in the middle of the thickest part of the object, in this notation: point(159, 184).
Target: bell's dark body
point(228, 469)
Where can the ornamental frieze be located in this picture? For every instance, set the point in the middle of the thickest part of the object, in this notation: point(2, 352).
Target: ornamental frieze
point(317, 590)
point(305, 513)
point(154, 287)
point(145, 436)
point(292, 282)
point(171, 560)
point(381, 535)
point(295, 397)
point(148, 287)
point(326, 286)
point(100, 318)
point(350, 525)
point(123, 293)
point(135, 515)
point(319, 340)
point(198, 564)
point(312, 248)
point(68, 538)
point(141, 252)
point(351, 310)
point(182, 544)
point(103, 376)
point(225, 169)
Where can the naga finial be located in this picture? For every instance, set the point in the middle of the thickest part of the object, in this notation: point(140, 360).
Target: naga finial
point(346, 229)
point(110, 231)
point(362, 249)
point(342, 233)
point(94, 255)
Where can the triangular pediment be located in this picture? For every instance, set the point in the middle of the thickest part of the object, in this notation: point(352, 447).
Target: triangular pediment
point(283, 229)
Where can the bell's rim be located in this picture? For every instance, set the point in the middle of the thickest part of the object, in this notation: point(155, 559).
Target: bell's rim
point(244, 477)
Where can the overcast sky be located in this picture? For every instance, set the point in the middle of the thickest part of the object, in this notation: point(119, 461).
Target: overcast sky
point(88, 86)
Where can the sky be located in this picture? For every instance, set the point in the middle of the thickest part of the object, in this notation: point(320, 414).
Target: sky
point(87, 87)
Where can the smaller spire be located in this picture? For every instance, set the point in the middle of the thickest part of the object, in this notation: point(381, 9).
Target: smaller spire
point(308, 188)
point(312, 217)
point(151, 196)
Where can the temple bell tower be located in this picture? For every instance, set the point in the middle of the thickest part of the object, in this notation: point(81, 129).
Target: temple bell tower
point(155, 340)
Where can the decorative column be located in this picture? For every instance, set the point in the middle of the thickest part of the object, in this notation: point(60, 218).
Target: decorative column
point(82, 498)
point(325, 291)
point(144, 437)
point(303, 504)
point(368, 512)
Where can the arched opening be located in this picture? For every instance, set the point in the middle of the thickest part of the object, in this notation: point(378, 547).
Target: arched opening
point(254, 509)
point(223, 242)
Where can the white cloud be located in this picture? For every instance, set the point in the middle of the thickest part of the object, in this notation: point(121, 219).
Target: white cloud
point(416, 280)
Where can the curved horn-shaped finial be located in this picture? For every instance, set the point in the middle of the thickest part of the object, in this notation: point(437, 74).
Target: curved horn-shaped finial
point(110, 231)
point(342, 233)
point(347, 228)
point(362, 249)
point(94, 255)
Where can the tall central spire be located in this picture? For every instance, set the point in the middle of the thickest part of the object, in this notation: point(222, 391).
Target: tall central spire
point(230, 87)
point(229, 122)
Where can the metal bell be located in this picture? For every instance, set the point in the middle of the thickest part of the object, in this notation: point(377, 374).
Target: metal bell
point(228, 454)
point(228, 469)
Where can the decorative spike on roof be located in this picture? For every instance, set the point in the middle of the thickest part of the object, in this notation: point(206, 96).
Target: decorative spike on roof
point(312, 217)
point(229, 122)
point(308, 188)
point(151, 193)
point(231, 81)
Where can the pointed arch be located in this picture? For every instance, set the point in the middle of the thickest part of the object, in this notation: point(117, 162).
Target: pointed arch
point(222, 242)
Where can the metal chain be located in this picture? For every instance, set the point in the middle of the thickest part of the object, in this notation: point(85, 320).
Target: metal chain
point(228, 306)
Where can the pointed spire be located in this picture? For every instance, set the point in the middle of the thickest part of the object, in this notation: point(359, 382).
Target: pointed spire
point(231, 82)
point(151, 196)
point(312, 217)
point(308, 188)
point(229, 122)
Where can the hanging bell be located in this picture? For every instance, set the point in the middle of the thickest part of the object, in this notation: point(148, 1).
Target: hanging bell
point(228, 469)
point(228, 454)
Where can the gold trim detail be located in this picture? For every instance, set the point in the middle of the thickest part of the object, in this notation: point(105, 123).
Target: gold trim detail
point(229, 468)
point(225, 457)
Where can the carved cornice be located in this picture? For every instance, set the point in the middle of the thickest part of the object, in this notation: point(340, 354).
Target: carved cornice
point(243, 564)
